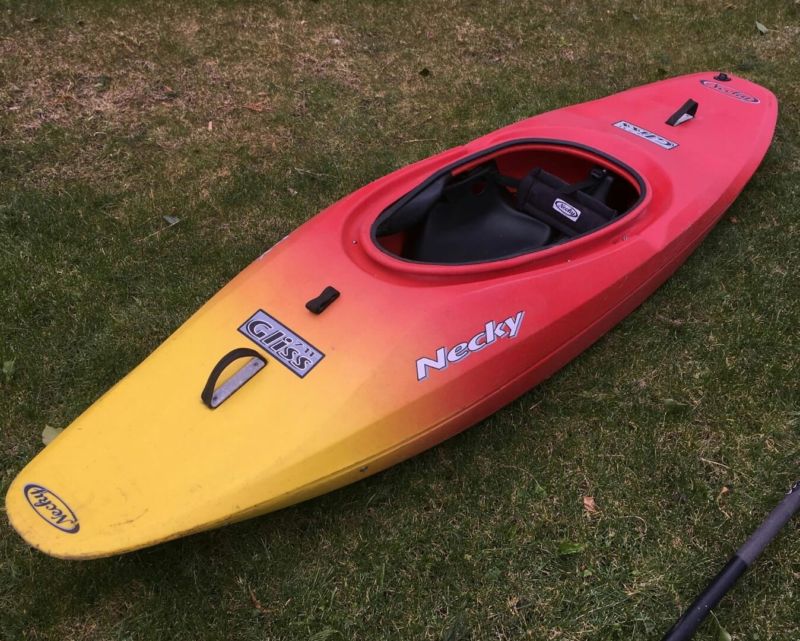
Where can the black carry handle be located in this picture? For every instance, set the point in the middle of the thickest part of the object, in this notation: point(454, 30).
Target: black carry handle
point(320, 303)
point(213, 401)
point(687, 625)
point(687, 111)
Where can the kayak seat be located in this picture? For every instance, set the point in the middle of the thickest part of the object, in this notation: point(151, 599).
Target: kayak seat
point(463, 226)
point(483, 215)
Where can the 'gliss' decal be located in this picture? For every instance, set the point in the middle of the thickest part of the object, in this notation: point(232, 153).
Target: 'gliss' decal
point(489, 335)
point(289, 348)
point(51, 508)
point(645, 134)
point(730, 92)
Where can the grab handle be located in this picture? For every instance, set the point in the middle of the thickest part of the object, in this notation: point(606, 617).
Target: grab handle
point(687, 111)
point(212, 397)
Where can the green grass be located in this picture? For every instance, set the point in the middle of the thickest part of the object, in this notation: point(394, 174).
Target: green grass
point(104, 112)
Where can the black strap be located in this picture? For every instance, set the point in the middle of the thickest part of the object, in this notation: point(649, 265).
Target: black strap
point(505, 181)
point(234, 355)
point(584, 185)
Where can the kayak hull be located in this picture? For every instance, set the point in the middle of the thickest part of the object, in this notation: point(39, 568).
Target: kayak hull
point(410, 353)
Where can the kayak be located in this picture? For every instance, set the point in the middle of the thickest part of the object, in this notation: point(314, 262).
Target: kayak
point(399, 316)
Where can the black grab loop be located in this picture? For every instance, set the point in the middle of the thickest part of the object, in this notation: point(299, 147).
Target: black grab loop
point(687, 111)
point(320, 303)
point(257, 362)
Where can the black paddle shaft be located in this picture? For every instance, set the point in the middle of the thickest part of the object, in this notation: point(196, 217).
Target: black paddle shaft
point(687, 625)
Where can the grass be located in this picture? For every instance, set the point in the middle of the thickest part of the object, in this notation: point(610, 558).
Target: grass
point(243, 120)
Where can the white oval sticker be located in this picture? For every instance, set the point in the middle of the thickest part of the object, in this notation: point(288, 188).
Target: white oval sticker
point(565, 209)
point(730, 91)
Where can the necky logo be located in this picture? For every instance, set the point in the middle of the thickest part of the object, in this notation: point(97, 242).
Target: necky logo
point(730, 91)
point(490, 334)
point(565, 209)
point(647, 135)
point(291, 349)
point(51, 508)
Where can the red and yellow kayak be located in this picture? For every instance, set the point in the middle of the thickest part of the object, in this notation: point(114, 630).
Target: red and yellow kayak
point(399, 316)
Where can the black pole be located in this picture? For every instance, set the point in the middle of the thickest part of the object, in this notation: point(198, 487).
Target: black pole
point(687, 625)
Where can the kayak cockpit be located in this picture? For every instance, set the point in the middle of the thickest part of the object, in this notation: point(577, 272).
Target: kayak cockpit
point(506, 202)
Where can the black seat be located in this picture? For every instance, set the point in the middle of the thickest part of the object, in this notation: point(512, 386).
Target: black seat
point(481, 215)
point(467, 227)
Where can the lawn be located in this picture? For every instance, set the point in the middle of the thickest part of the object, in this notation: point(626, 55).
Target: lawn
point(242, 120)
